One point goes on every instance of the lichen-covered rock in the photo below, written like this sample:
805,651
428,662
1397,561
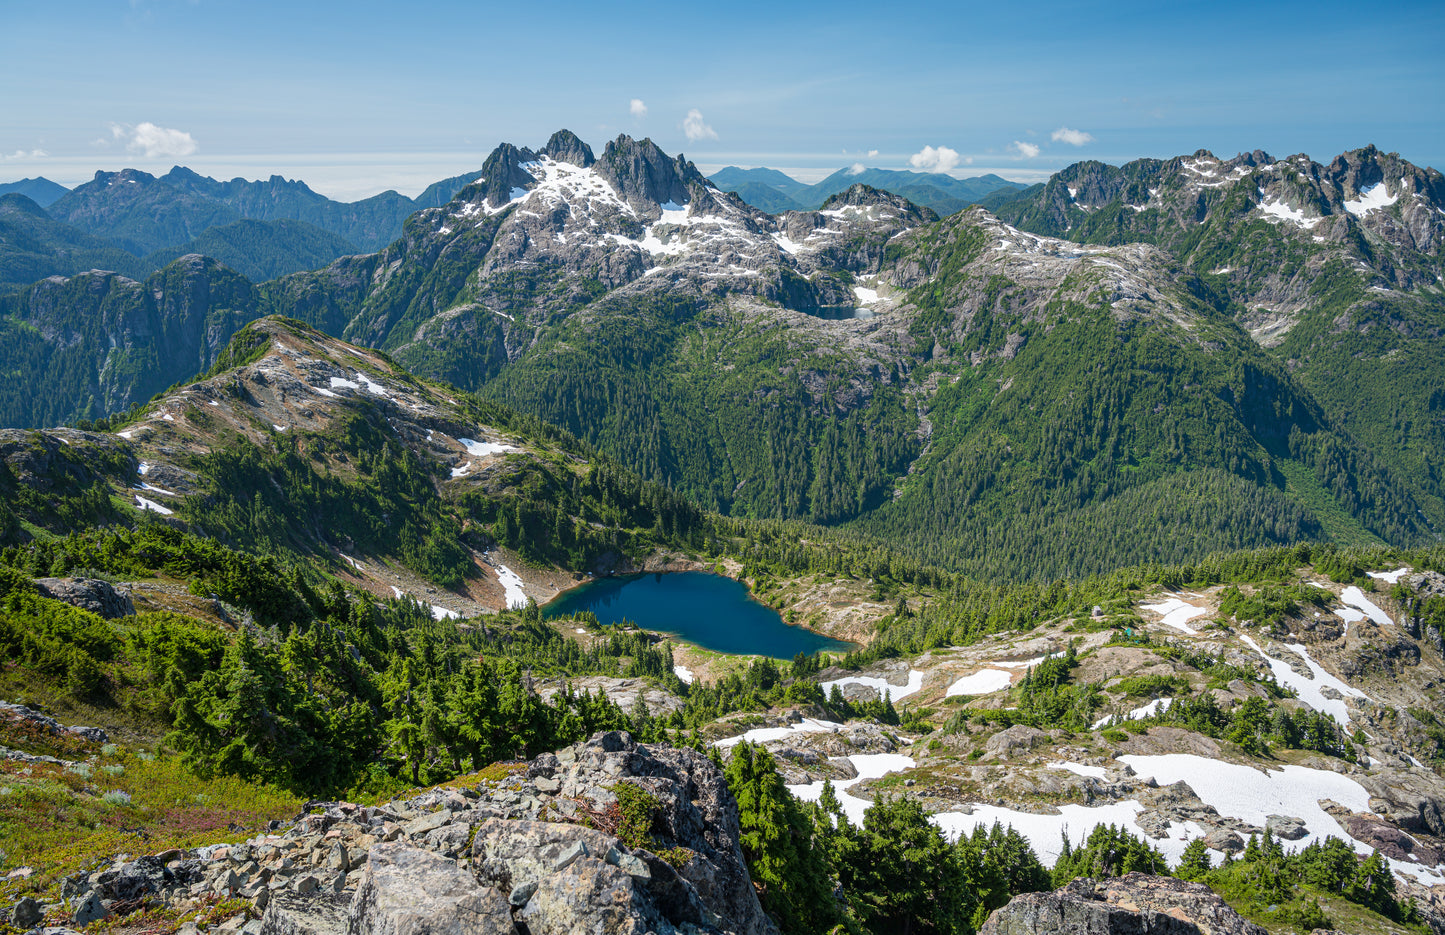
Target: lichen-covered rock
1135,904
293,914
91,594
696,811
408,891
1017,739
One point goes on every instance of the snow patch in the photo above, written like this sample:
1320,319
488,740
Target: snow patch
1079,769
441,613
1045,832
168,417
869,766
511,587
1177,613
279,428
788,246
325,392
481,449
1027,663
1309,688
151,505
160,490
144,468
462,471
342,383
372,387
1154,707
896,692
1372,198
983,682
1283,212
865,296
1389,577
682,672
807,725
1356,598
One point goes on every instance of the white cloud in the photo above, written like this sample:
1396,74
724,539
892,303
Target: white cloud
695,129
1025,150
153,140
934,160
1072,137
637,108
23,155
872,153
857,168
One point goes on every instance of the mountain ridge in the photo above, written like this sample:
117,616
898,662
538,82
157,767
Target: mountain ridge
867,364
776,192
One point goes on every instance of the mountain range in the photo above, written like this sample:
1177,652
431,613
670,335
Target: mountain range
132,222
987,398
776,192
290,554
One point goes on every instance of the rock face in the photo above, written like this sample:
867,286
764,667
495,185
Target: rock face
533,853
1135,904
407,891
90,594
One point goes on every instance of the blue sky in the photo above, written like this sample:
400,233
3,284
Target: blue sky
363,96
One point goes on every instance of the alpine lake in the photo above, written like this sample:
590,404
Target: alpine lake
707,610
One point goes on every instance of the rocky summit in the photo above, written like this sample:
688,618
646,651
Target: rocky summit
550,847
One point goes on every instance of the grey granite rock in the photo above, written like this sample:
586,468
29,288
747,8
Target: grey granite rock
407,891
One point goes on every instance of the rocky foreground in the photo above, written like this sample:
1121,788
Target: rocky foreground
556,846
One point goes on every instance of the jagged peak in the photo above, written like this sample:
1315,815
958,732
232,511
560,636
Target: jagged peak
502,174
566,146
644,175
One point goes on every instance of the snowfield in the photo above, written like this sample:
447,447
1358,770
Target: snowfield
1253,795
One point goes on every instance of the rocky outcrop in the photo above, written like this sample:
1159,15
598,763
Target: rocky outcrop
407,891
91,594
1135,904
1015,740
31,719
537,852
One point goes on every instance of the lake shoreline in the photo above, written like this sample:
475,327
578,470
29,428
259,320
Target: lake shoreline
558,609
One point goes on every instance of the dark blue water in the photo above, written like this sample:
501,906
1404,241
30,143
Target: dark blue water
711,611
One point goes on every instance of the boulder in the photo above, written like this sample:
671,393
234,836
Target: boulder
89,908
1286,827
91,594
1017,739
294,914
26,913
1135,904
407,891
